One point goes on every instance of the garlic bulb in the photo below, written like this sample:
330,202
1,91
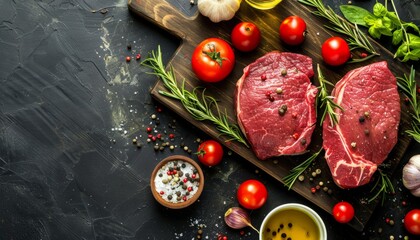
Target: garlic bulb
218,10
411,175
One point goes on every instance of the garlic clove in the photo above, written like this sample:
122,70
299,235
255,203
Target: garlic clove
411,175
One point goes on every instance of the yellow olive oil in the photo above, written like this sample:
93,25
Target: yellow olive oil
291,224
263,4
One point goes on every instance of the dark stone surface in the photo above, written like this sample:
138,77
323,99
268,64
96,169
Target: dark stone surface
70,106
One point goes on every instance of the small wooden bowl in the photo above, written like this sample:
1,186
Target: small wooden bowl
179,204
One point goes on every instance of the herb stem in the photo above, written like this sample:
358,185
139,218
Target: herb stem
201,108
385,187
409,87
290,179
327,101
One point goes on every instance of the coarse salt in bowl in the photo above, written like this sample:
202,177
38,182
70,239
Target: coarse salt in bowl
177,182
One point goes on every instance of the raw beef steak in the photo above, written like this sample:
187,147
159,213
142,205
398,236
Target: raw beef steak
367,129
275,104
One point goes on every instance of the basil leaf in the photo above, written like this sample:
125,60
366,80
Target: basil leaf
374,32
355,14
411,56
414,41
379,10
397,36
402,50
394,18
412,25
370,20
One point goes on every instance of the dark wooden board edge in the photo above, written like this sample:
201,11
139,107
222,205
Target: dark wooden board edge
180,62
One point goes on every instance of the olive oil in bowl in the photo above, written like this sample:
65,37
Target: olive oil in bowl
263,4
294,222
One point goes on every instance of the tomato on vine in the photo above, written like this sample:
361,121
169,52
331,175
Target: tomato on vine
343,212
245,36
210,153
335,51
213,60
252,194
293,30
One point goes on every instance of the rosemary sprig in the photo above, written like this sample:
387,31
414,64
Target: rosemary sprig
200,108
327,102
408,85
329,107
384,186
290,179
356,38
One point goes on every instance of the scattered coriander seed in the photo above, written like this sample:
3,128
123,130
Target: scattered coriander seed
198,140
192,2
283,72
301,178
134,141
330,191
149,140
366,114
153,116
156,148
279,90
318,171
313,174
161,148
311,179
353,144
171,147
185,148
189,151
321,183
325,189
391,222
139,145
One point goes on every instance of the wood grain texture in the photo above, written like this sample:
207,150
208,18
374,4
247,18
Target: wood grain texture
192,30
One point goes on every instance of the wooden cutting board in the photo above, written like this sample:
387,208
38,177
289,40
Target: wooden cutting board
190,27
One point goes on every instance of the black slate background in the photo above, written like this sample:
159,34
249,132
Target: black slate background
70,106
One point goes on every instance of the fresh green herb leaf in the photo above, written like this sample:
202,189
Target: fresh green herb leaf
413,26
355,14
397,36
414,41
379,10
201,108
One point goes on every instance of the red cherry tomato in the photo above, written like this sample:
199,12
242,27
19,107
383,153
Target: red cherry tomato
210,153
412,221
335,51
213,60
343,212
245,36
293,30
252,194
